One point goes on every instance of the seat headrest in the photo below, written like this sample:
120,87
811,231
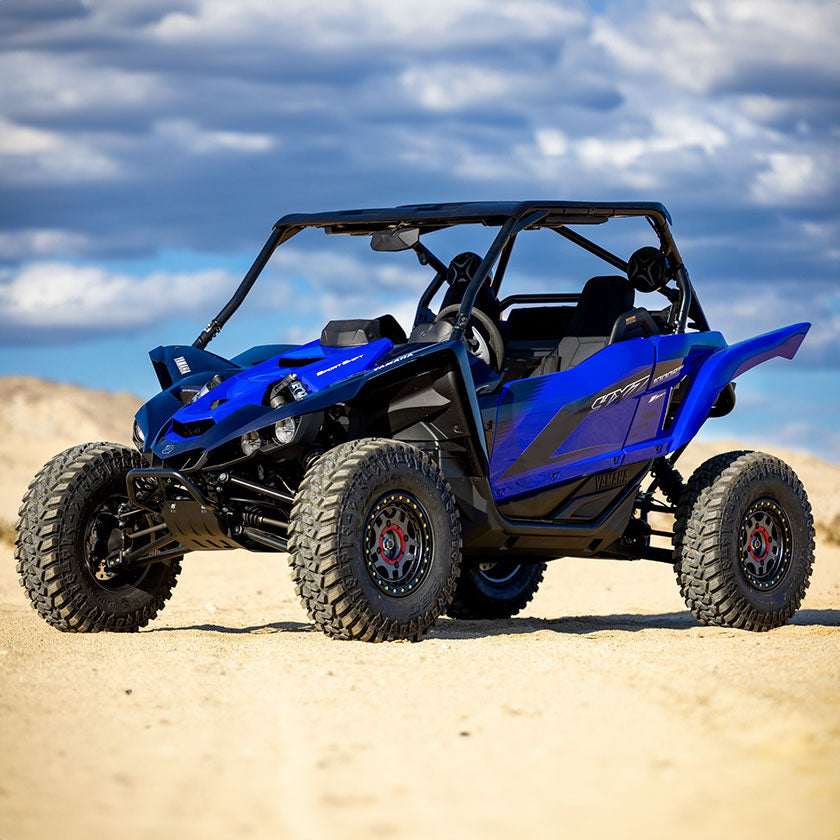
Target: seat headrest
602,300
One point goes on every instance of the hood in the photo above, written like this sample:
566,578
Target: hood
244,392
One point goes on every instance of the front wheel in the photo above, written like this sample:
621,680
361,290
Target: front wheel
499,589
744,541
375,541
69,526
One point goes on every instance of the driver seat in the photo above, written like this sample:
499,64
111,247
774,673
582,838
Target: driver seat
602,301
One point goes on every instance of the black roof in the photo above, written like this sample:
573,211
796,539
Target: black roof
481,212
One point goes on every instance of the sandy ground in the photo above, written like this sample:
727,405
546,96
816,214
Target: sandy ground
604,710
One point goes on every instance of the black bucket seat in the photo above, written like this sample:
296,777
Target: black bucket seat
602,301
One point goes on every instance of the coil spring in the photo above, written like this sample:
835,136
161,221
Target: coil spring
669,480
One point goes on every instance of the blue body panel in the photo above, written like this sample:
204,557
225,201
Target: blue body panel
721,367
609,410
547,430
239,399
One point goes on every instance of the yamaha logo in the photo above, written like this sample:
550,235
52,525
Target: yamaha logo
167,450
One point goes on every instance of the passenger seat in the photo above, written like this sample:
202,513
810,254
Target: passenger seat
602,300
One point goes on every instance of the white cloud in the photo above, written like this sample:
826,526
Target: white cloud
40,242
450,87
367,24
45,295
33,155
67,83
22,140
551,142
733,311
791,176
199,141
332,270
702,45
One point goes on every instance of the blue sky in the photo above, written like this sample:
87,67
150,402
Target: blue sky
147,147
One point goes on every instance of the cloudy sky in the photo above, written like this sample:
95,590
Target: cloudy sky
146,148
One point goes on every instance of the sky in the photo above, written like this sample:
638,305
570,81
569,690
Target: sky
146,149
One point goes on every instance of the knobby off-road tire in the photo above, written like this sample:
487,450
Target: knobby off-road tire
495,589
68,507
375,541
744,541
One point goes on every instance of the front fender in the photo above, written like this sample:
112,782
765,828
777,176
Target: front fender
724,365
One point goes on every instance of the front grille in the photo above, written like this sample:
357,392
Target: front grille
194,429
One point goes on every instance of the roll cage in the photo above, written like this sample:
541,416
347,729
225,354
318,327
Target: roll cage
511,218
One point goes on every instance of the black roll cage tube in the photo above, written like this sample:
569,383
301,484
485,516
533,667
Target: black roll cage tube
499,251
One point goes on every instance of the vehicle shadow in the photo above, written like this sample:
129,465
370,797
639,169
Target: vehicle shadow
448,628
257,629
585,624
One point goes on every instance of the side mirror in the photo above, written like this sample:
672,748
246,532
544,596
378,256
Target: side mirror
395,239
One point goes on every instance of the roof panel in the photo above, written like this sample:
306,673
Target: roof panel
443,215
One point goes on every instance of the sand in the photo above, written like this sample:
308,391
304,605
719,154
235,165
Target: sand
604,710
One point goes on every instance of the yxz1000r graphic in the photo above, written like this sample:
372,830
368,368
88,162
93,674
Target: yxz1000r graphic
410,475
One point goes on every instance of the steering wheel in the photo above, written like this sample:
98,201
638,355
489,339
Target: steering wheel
483,338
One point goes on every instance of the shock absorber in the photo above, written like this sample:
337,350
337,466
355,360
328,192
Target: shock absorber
668,480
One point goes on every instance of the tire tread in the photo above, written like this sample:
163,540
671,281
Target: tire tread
42,548
705,572
321,574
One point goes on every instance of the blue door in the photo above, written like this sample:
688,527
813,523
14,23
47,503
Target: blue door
560,426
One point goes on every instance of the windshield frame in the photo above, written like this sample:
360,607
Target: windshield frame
510,217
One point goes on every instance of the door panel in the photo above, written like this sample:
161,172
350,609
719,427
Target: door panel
563,425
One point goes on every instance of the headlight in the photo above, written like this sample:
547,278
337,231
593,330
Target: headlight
250,442
284,430
138,436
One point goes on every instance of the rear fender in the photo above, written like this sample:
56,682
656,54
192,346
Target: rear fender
724,365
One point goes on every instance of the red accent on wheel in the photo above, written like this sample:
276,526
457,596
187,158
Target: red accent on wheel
765,543
388,554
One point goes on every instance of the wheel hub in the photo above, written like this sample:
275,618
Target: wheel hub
104,530
397,544
103,539
392,544
764,544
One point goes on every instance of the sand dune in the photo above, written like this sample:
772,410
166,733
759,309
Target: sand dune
604,711
38,419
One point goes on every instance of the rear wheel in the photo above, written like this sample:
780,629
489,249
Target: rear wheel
375,541
744,537
498,589
68,528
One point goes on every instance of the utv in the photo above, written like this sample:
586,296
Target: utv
408,476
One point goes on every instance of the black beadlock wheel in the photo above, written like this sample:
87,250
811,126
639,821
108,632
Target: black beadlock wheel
68,526
398,544
374,541
764,544
744,541
495,589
